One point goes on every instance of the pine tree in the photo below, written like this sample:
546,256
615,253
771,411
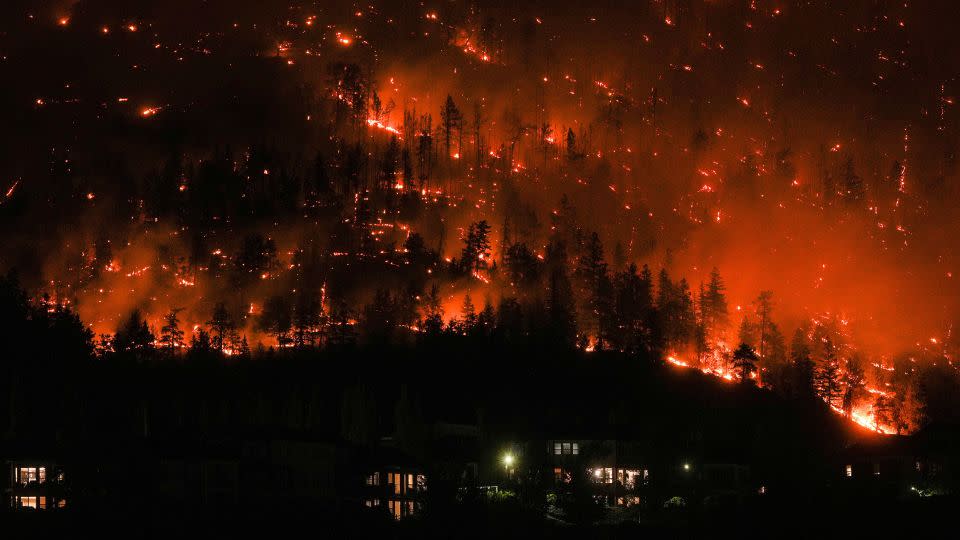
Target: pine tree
276,319
452,122
221,324
171,336
487,319
745,361
479,120
379,318
134,336
828,377
589,275
635,321
713,307
307,318
475,255
468,314
389,164
200,343
764,309
854,380
425,150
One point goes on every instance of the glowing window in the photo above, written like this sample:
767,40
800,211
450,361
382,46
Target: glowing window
628,477
557,449
395,480
576,448
32,474
373,479
395,508
849,471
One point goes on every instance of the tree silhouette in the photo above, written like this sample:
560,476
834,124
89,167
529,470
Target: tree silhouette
828,376
451,120
276,319
589,275
171,336
745,361
221,325
133,336
475,255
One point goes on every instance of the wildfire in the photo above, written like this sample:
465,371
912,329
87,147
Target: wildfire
377,124
12,189
861,413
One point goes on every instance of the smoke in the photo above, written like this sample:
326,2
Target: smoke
711,136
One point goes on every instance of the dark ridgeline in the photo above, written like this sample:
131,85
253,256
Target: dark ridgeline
354,432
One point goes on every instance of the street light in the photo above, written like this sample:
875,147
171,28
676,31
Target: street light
508,461
686,466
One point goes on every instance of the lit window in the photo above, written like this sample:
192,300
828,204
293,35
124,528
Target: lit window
394,507
849,471
395,480
373,479
576,448
28,502
602,475
557,449
628,477
876,469
566,448
410,484
32,474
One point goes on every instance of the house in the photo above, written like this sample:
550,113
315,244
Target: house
922,464
35,484
615,468
394,482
